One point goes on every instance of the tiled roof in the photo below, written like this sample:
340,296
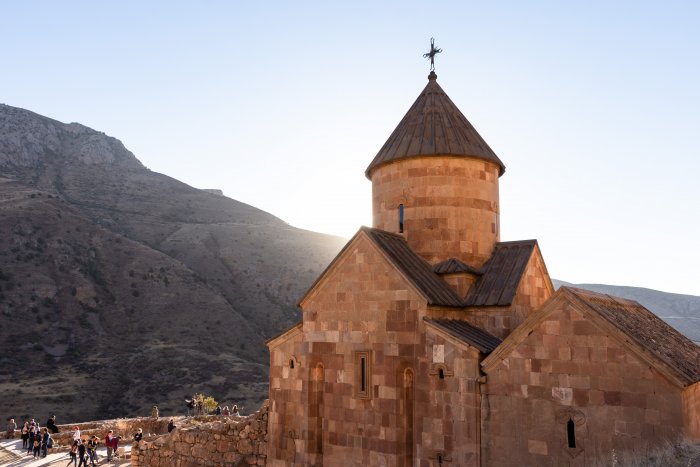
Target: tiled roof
454,265
465,332
415,268
647,330
501,274
434,126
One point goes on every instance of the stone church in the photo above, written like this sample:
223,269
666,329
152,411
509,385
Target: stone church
429,342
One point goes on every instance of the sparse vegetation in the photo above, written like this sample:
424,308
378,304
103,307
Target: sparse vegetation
678,454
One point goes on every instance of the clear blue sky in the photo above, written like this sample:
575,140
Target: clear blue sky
594,107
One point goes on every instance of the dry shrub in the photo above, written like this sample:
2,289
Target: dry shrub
678,454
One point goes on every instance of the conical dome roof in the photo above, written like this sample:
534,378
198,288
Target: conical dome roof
434,126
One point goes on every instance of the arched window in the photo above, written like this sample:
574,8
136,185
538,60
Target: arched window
441,373
571,433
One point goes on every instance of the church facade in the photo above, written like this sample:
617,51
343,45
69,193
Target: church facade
429,342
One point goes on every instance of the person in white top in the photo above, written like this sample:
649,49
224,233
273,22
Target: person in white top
76,434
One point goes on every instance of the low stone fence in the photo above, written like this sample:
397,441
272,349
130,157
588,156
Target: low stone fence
124,427
228,441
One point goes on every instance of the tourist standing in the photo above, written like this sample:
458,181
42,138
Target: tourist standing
111,443
36,445
30,438
25,435
92,450
171,425
45,443
138,436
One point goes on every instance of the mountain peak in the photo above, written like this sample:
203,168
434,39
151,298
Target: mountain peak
29,140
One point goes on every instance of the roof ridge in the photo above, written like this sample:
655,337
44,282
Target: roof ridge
518,242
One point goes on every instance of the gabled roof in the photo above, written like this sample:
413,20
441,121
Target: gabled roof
411,266
434,126
635,327
414,268
648,331
454,266
467,333
501,274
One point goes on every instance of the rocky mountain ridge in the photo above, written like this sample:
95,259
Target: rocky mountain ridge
130,286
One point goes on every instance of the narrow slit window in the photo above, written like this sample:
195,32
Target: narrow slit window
362,375
400,218
291,364
571,433
441,373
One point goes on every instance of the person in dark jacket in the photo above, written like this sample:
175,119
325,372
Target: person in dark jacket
82,454
30,439
45,443
138,436
51,424
171,425
25,435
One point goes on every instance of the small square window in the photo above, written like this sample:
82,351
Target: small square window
363,375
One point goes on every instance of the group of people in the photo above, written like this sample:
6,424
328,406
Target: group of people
225,411
84,450
35,440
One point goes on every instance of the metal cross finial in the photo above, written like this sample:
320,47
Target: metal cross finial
432,53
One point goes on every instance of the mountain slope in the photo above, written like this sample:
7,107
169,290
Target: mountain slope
129,286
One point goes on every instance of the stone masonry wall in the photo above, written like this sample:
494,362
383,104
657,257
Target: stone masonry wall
451,206
228,442
568,371
363,308
691,411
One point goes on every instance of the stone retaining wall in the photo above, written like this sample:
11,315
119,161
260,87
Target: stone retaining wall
124,427
228,442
